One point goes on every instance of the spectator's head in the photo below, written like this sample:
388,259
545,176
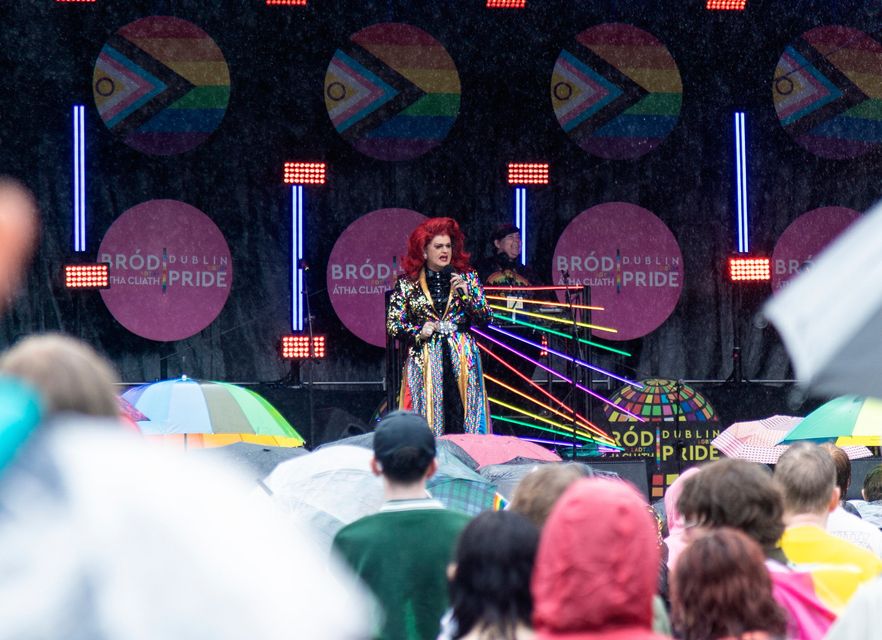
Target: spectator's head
843,467
69,375
18,234
536,494
490,577
738,494
597,565
807,478
721,588
872,490
404,448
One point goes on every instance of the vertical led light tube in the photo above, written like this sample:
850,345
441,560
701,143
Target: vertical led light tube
296,257
521,219
741,182
79,178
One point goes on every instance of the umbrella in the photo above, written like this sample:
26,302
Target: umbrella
830,316
258,460
457,486
484,449
760,440
209,414
327,489
851,420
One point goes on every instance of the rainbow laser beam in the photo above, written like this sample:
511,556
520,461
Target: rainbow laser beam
590,426
533,314
568,429
590,392
541,428
528,398
561,354
566,336
545,303
558,287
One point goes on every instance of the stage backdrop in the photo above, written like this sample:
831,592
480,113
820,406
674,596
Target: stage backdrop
418,107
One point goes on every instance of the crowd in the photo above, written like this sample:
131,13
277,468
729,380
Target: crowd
102,536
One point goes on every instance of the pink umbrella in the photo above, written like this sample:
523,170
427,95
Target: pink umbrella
486,449
758,440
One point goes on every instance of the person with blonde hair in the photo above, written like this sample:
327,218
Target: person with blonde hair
536,494
69,375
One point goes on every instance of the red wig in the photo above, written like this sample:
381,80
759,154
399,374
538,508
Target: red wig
721,588
420,238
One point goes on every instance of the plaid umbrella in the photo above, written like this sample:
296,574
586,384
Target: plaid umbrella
760,440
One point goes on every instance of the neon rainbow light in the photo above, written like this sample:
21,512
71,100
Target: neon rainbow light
296,257
551,442
587,424
521,219
543,316
551,287
546,303
565,427
590,392
741,181
566,336
561,354
79,178
541,428
533,400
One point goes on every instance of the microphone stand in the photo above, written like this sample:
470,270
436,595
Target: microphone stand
565,278
312,359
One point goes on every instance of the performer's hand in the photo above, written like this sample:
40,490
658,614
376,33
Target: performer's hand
458,284
427,330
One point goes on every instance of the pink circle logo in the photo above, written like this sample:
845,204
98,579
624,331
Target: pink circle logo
170,270
632,262
805,238
364,264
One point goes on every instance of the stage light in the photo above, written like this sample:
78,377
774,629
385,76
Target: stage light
304,173
506,4
87,276
297,348
287,3
543,316
76,1
749,269
726,5
741,182
565,336
527,173
79,178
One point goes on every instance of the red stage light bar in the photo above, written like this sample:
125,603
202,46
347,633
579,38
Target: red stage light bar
288,3
305,173
77,1
506,4
527,173
750,269
726,5
87,276
297,347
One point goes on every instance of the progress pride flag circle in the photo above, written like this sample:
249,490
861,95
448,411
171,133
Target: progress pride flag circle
170,270
364,264
632,262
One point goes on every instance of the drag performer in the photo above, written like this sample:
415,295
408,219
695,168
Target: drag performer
432,307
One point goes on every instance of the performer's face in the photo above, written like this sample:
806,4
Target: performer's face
510,245
439,252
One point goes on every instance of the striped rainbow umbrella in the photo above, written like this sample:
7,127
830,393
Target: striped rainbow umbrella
850,420
209,414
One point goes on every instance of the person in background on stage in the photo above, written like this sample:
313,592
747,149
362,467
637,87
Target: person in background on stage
432,307
504,267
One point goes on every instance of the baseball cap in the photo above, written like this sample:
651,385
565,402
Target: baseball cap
401,429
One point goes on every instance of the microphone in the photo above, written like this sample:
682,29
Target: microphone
448,271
